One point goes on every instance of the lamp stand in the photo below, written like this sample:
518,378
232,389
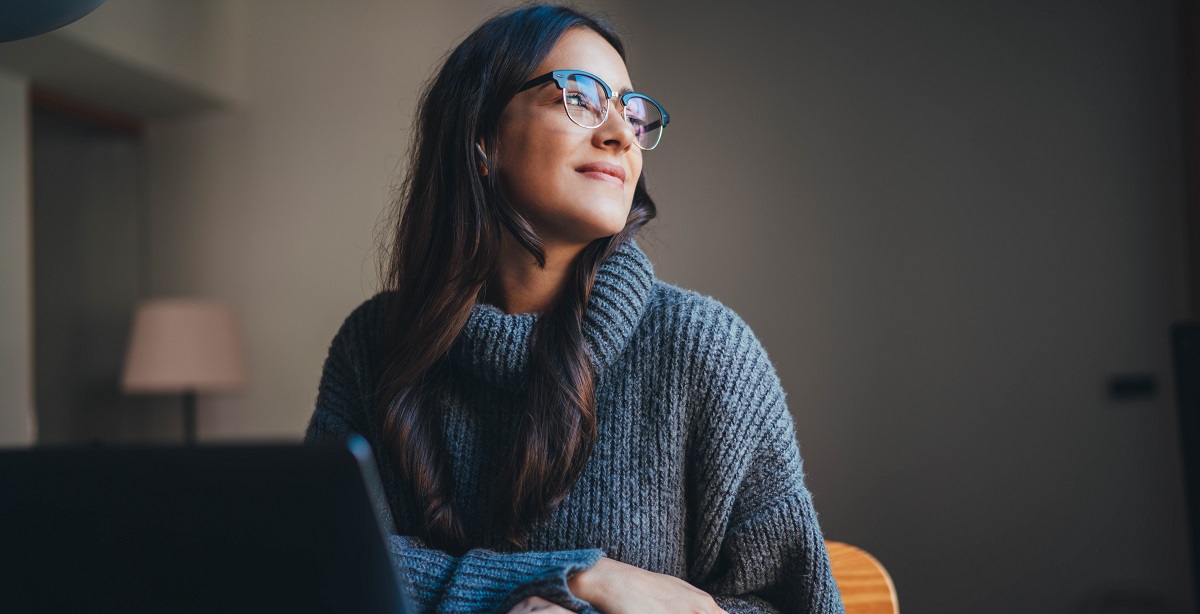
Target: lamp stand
189,417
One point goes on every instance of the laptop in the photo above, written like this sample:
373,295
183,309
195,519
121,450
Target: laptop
245,528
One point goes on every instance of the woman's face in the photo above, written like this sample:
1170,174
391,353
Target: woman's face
542,153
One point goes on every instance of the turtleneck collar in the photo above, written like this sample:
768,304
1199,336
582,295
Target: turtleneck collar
494,346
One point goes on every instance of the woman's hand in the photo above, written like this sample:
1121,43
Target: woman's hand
614,587
537,604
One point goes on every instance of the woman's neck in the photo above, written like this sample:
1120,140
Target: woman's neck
521,286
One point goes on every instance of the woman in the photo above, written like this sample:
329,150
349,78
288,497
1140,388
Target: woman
556,429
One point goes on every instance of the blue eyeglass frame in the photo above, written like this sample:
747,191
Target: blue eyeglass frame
559,77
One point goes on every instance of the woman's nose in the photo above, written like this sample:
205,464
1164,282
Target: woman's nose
615,127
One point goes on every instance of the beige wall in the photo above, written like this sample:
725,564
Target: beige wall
949,224
16,317
141,58
198,44
273,205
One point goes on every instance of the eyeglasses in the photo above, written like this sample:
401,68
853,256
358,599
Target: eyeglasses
586,98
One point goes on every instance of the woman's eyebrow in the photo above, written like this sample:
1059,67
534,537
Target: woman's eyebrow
623,91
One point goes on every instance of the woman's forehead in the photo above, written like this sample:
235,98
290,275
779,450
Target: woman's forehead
584,49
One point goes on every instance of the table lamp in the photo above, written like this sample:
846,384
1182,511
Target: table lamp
184,346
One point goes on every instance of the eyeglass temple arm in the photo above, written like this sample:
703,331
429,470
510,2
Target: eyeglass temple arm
536,82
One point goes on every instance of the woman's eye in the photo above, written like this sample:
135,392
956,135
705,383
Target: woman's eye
578,100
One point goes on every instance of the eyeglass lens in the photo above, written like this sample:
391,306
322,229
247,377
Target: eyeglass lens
586,105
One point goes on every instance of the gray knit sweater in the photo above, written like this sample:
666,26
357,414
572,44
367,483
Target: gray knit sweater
695,472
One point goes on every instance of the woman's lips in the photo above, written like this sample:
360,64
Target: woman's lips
604,171
605,177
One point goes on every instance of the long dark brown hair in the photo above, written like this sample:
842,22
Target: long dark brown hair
449,221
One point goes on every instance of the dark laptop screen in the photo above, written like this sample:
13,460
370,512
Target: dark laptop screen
245,528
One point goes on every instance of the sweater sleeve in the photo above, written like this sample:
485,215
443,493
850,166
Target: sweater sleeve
478,581
486,581
761,548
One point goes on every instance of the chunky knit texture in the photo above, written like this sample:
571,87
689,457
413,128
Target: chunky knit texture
695,473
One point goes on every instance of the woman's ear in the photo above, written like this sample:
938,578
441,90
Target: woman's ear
483,159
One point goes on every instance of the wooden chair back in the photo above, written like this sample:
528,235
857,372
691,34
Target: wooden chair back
864,583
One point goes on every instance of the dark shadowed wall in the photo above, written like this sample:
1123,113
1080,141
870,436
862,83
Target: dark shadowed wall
950,223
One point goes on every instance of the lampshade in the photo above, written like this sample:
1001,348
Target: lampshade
184,345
